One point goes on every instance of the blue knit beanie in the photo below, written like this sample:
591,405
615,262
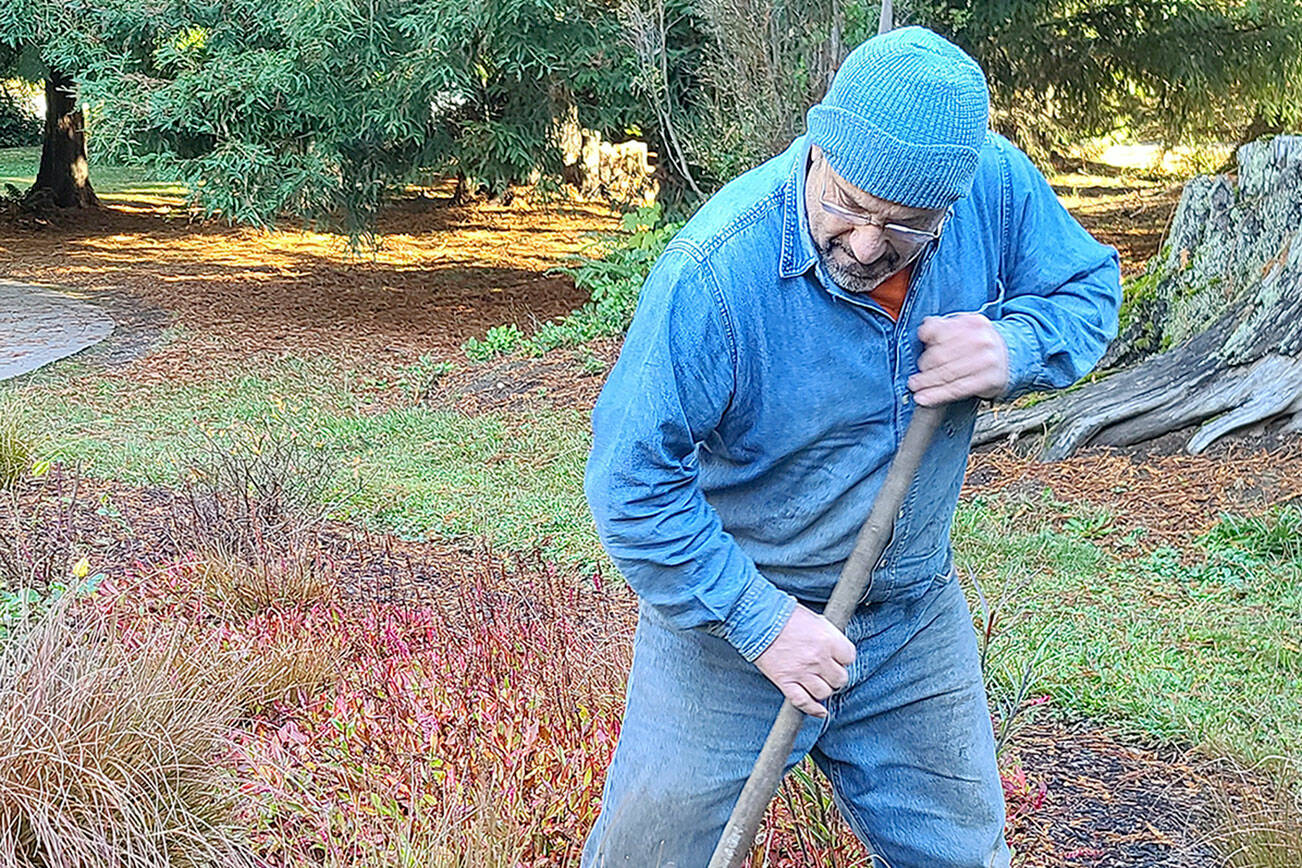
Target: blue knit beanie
905,119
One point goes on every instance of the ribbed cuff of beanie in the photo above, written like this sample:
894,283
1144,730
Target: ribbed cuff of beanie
914,175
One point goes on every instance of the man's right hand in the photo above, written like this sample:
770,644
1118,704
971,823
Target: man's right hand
807,661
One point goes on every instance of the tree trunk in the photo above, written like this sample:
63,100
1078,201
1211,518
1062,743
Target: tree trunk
1223,303
64,177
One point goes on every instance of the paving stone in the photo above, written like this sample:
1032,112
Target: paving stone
39,325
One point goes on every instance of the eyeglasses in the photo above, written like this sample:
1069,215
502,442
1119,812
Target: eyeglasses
903,236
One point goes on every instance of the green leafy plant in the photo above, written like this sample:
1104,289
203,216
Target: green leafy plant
612,268
1089,522
419,379
1276,535
591,364
19,127
501,340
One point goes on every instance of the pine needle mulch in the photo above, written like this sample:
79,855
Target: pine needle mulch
239,296
1171,498
1101,801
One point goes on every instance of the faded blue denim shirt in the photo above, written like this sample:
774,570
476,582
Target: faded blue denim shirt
747,426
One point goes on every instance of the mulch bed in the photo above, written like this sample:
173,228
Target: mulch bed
444,274
1173,497
124,528
1110,802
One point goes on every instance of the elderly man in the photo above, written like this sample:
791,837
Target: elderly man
897,253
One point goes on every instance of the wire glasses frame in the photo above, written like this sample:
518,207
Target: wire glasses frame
905,236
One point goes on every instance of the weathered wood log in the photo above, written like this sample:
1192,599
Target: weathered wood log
1226,294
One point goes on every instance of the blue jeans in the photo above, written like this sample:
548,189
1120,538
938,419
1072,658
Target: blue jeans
908,745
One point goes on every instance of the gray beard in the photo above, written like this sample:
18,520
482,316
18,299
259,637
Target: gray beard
861,279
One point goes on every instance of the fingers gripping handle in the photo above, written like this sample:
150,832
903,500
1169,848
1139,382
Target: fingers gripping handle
873,537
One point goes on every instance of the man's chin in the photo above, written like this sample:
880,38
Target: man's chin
854,282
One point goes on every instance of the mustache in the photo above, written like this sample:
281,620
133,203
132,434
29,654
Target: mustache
889,259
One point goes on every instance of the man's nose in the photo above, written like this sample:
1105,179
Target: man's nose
867,243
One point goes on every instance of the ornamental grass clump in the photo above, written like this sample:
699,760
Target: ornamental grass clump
265,581
15,449
111,752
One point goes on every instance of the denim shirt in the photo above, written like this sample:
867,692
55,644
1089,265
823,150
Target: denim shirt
747,426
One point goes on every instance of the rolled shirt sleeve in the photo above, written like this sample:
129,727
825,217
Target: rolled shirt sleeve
1062,287
673,382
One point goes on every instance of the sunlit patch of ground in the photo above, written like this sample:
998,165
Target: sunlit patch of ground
1128,211
443,274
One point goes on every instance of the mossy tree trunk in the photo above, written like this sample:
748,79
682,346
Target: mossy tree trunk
63,179
1211,334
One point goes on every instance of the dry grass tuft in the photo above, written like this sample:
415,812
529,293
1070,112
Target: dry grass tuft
1262,826
15,449
113,744
246,586
294,659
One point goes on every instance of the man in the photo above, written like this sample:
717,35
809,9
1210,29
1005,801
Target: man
898,252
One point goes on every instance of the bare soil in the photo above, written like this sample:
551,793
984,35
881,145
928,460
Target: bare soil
443,274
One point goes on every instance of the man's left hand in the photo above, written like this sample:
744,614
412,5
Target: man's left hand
964,357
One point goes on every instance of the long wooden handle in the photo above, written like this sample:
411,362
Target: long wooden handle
873,537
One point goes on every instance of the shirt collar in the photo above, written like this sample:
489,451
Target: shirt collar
798,253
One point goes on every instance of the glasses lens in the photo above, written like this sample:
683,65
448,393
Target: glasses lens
906,236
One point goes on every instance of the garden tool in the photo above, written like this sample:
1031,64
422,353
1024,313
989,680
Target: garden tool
850,588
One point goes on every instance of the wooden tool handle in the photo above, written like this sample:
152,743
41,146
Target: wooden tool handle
850,588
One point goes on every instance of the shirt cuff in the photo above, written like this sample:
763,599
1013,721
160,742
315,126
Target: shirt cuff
1022,346
759,616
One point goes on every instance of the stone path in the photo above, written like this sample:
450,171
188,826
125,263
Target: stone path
39,325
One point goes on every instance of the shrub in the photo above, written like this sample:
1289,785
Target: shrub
114,749
505,694
19,127
252,492
500,340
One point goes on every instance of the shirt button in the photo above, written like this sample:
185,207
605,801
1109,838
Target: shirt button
904,399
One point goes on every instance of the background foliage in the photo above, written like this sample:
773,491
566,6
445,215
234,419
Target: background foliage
321,110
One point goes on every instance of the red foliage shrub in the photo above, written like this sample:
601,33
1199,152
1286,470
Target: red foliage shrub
473,729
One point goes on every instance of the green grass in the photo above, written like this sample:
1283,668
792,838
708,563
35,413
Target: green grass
513,479
1194,649
119,184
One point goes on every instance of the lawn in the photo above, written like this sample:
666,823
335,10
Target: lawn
1162,635
117,185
